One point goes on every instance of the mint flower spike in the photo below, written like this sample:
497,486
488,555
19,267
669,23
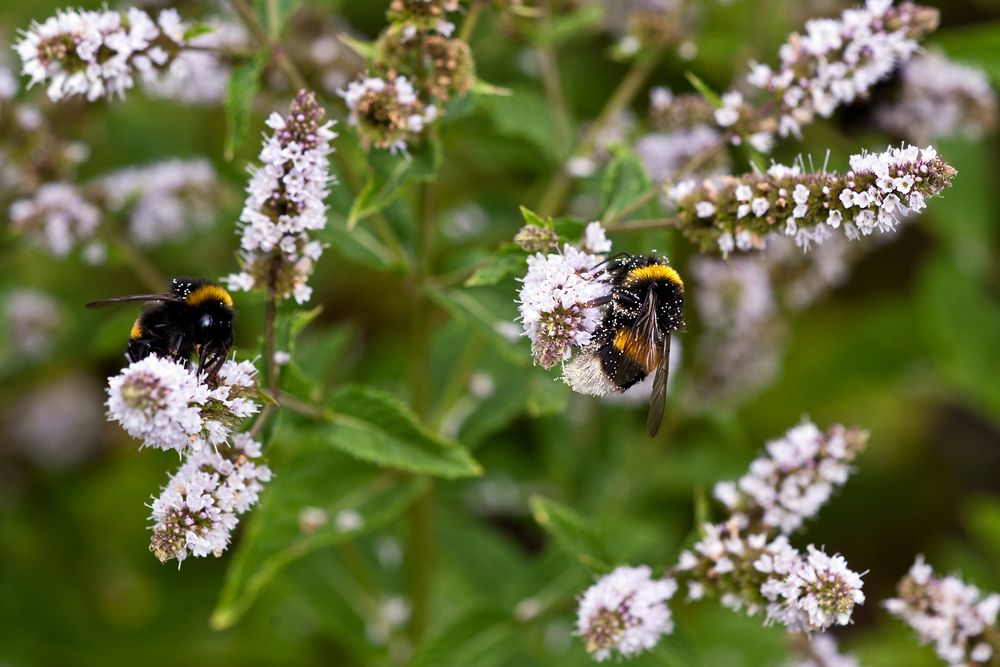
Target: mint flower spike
836,62
285,203
951,614
625,612
99,54
165,404
198,509
741,212
557,296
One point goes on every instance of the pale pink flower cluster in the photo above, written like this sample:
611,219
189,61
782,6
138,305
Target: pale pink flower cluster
955,616
163,200
285,203
197,76
558,298
386,111
796,477
59,218
625,613
199,507
99,53
837,61
939,98
166,405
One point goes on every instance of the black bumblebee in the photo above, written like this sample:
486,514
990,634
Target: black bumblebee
645,307
195,317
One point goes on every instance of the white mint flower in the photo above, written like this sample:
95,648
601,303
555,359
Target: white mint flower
813,593
198,509
824,653
953,615
197,76
796,477
838,61
879,191
32,320
729,113
939,98
165,405
663,153
163,200
386,112
625,612
556,301
99,53
285,203
57,217
595,240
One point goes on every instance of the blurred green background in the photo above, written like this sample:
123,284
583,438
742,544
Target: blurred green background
908,347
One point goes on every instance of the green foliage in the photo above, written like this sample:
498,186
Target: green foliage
572,533
308,474
244,84
374,426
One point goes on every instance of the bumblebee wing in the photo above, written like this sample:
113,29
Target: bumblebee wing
104,303
639,345
658,397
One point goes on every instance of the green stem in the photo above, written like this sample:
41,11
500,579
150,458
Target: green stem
469,25
639,225
629,87
248,17
419,552
549,63
147,272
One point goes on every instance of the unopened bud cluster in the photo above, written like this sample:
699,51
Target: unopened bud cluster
416,66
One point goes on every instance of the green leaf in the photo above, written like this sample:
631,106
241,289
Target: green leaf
574,534
464,306
710,95
243,86
197,30
563,27
482,637
532,218
480,87
973,44
375,426
364,49
275,13
510,260
525,115
358,245
389,173
625,180
308,475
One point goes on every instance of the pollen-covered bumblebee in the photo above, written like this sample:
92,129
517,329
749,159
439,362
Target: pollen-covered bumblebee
645,307
195,317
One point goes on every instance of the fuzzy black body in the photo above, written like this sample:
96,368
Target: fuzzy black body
195,317
645,307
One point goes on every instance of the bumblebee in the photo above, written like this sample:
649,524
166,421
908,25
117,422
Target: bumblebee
195,317
645,306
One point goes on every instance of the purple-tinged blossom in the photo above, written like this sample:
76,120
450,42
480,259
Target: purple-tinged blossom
163,200
285,203
99,54
878,192
625,613
199,507
58,218
166,405
955,616
837,61
796,476
386,111
939,98
557,302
